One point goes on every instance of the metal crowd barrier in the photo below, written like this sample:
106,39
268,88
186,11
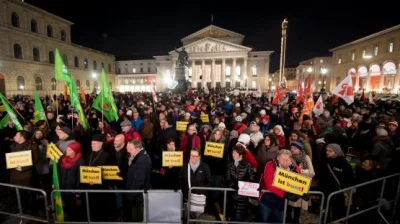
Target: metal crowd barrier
20,214
146,218
353,188
225,190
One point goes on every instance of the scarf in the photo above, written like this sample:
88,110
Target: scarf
189,143
68,162
236,162
194,166
301,158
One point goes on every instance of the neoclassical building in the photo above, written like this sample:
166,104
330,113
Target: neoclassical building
372,61
28,39
320,69
217,58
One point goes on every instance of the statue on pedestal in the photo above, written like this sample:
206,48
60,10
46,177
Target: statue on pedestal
183,58
182,70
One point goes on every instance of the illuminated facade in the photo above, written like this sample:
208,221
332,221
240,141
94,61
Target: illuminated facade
320,69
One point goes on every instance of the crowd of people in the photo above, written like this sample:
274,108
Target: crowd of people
344,146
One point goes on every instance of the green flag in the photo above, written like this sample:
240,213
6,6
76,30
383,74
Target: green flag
104,102
39,111
60,69
4,121
11,113
57,195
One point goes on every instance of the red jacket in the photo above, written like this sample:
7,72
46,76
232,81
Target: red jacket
281,141
249,157
240,128
268,178
132,134
195,142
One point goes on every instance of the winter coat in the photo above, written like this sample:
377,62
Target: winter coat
343,171
281,141
325,121
249,157
163,136
70,179
242,172
264,155
62,145
42,167
309,172
120,159
196,142
138,177
23,176
136,124
131,134
200,178
382,151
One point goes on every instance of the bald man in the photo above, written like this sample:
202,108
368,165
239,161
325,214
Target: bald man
120,158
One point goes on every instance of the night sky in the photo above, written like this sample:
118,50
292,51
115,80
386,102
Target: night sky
143,28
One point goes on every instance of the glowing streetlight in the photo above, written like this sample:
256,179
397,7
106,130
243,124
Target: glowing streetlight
94,75
323,72
367,56
309,69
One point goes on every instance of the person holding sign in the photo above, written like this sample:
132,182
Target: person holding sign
171,173
190,141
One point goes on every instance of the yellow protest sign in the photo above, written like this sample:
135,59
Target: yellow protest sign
204,118
53,152
172,158
181,125
214,149
90,175
291,182
19,159
110,172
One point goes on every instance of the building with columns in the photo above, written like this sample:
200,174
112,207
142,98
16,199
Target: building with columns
321,71
217,58
29,37
372,61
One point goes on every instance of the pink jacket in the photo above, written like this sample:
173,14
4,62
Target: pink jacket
195,142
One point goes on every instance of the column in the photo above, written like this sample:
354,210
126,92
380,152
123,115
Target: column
244,74
173,69
395,88
203,73
381,82
213,82
223,75
194,75
357,84
368,83
233,73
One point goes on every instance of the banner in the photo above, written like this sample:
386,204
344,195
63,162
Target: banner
19,159
214,149
172,158
110,172
204,118
181,125
53,152
291,182
249,189
90,175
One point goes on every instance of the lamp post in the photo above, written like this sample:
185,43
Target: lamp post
323,73
269,83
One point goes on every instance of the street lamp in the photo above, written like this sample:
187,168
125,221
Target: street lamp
269,83
94,75
323,72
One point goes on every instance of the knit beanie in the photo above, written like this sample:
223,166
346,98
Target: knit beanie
297,144
75,146
66,130
244,139
336,148
221,125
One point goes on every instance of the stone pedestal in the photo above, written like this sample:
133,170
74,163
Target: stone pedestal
181,74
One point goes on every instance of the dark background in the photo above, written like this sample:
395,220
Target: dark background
147,28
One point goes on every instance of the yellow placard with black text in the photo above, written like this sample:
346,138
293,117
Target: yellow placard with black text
204,118
291,182
181,125
53,152
19,159
214,149
172,158
90,174
110,172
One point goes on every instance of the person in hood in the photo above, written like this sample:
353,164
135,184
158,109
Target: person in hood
204,134
244,140
267,150
280,136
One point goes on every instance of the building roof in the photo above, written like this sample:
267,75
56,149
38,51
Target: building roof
391,29
213,30
133,57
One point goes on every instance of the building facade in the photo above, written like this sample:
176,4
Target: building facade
217,58
372,61
321,71
136,75
29,37
290,76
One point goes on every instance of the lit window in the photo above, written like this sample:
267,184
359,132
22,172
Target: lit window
254,69
363,53
228,71
321,61
238,70
353,56
376,50
134,70
339,61
390,47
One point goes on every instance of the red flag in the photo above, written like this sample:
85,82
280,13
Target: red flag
307,91
363,96
299,97
334,100
345,90
279,94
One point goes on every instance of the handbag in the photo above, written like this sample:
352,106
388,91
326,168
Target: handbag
347,200
197,201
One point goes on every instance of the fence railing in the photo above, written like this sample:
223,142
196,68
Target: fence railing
20,213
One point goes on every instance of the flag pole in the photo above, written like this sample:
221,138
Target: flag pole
14,108
102,103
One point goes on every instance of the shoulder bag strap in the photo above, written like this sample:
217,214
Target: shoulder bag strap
334,176
189,184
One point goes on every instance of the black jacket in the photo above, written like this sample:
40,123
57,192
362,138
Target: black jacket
95,159
120,159
138,177
343,172
70,179
200,178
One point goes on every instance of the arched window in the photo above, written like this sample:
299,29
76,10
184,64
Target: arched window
65,59
110,83
86,63
20,83
87,84
34,27
53,84
63,35
78,84
17,51
94,65
14,19
38,83
102,65
51,57
76,61
49,31
36,54
109,67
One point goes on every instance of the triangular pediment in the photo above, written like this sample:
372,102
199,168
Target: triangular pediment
214,32
212,45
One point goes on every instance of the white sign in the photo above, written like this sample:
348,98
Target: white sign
249,189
